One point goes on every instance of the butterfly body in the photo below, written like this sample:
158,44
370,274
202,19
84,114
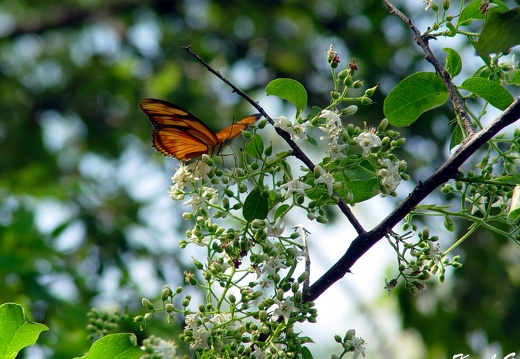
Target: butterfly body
182,135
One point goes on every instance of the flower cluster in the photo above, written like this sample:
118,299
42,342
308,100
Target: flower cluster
251,271
419,260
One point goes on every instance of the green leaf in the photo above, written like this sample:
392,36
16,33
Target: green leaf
357,179
490,91
453,62
413,96
280,210
255,147
515,80
115,346
500,32
306,353
256,205
473,12
456,137
290,90
16,331
448,224
514,213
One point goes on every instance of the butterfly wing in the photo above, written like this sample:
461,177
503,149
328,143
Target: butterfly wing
177,132
229,133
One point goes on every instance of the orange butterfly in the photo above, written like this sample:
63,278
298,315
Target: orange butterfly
180,134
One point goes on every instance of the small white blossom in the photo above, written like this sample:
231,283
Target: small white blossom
258,352
502,204
285,308
186,175
200,337
197,202
210,194
330,116
297,252
165,349
295,186
192,321
332,127
282,122
428,4
478,204
273,264
176,193
296,130
367,140
220,318
299,131
357,344
325,178
275,230
389,175
335,150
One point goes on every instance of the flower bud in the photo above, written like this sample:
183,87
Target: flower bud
366,101
369,92
147,304
350,110
167,292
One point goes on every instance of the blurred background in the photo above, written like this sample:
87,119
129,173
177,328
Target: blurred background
85,220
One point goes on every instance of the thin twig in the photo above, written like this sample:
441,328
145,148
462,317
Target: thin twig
422,41
297,152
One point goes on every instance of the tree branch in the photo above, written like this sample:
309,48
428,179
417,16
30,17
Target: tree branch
448,170
297,152
422,41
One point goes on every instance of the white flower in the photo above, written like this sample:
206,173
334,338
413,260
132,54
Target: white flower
220,318
389,175
296,130
297,252
275,230
197,202
478,203
357,344
367,140
192,321
502,204
273,264
299,131
210,194
325,178
295,186
186,175
330,116
335,150
258,352
176,193
285,308
332,127
282,122
200,338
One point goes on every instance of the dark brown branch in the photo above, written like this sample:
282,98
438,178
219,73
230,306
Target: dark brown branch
297,152
447,171
422,41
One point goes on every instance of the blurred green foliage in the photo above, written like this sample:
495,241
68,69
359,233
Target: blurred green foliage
82,193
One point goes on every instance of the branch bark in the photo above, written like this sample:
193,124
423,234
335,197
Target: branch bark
448,170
